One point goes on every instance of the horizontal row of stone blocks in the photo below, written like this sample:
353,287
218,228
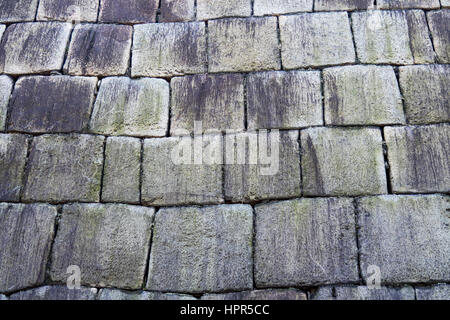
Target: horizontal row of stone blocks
296,243
227,45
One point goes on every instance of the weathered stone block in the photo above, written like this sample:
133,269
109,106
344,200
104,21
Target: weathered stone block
418,158
215,100
122,170
64,168
439,22
167,49
207,9
136,107
270,294
316,39
363,293
26,232
305,242
270,171
13,154
34,47
243,44
99,50
6,85
109,243
407,237
68,10
51,104
362,95
445,3
341,162
331,5
426,90
112,294
195,177
263,7
284,100
2,29
435,292
404,4
56,293
202,249
128,11
18,10
177,10
419,37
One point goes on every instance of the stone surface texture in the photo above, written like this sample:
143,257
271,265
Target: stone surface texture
397,4
19,10
440,30
177,10
269,7
436,292
128,11
112,294
68,10
6,85
56,293
207,9
363,293
270,294
331,5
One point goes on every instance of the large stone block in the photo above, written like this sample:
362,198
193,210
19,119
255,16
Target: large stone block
56,293
439,22
128,11
6,85
262,166
406,237
400,4
284,100
168,49
339,162
418,158
265,7
207,249
135,107
419,37
363,293
243,44
64,168
109,243
270,294
434,292
13,155
331,5
362,95
112,294
207,9
18,10
99,50
305,242
26,233
68,10
34,47
215,100
177,10
316,39
41,104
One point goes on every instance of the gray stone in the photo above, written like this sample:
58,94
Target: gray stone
6,85
170,179
207,9
331,5
2,29
407,237
264,7
400,4
56,293
243,44
363,293
26,233
109,243
284,100
445,3
215,100
13,154
18,10
177,10
249,177
128,11
419,37
41,104
362,95
270,294
426,91
435,292
316,39
28,48
169,49
305,242
99,50
112,294
3,298
418,158
64,168
122,170
202,249
68,10
439,22
136,107
340,162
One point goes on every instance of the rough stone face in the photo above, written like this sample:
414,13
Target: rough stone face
418,158
202,249
112,294
400,4
207,9
249,44
169,179
68,10
305,242
168,49
99,50
362,95
445,3
407,237
26,232
6,85
270,294
436,292
339,162
177,10
251,177
331,5
263,7
64,168
56,293
128,11
109,243
363,293
18,10
215,100
316,39
284,100
439,22
42,104
2,29
136,107
426,90
34,47
419,37
13,153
